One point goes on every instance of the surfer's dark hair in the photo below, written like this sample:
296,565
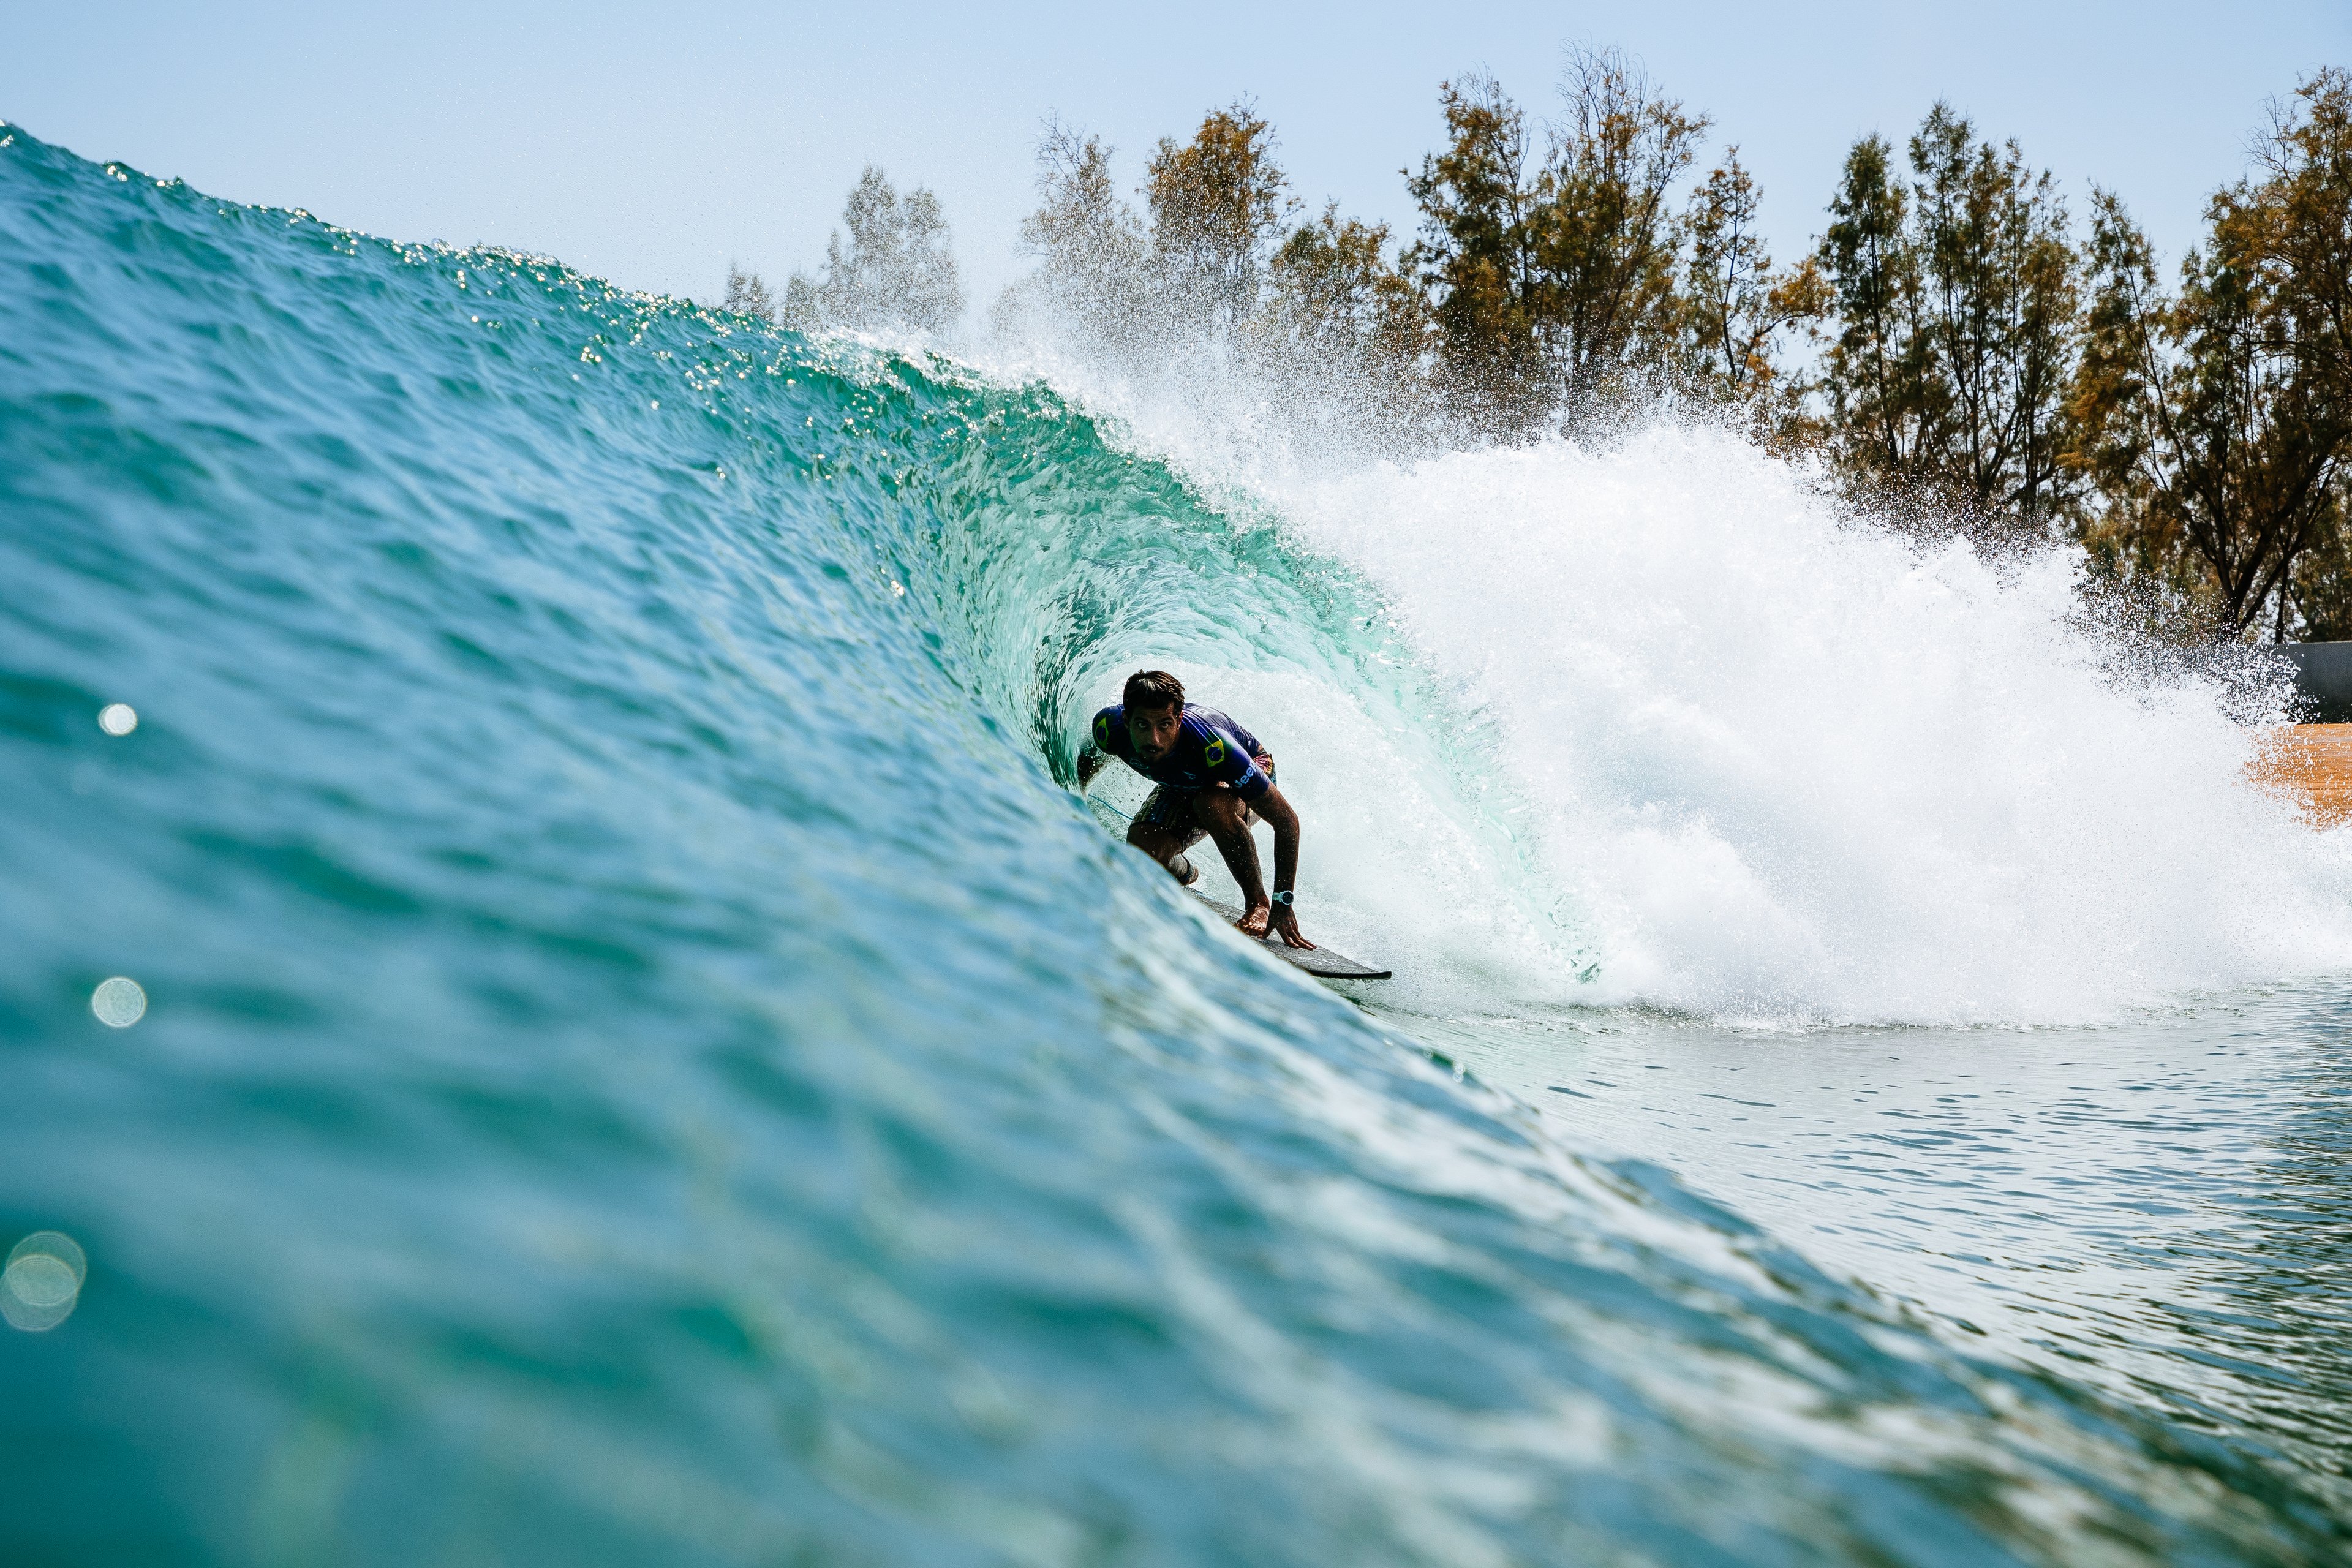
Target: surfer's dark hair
1153,688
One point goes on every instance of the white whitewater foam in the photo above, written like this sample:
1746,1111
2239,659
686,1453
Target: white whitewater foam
1790,769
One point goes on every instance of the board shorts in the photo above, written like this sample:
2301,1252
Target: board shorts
1170,809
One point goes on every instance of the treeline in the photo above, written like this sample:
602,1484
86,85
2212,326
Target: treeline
1955,348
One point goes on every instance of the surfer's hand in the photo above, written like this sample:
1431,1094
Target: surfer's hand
1285,922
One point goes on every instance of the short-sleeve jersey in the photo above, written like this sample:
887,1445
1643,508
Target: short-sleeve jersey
1210,748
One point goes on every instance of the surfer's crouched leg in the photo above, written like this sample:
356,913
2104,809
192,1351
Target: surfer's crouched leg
1164,828
1226,818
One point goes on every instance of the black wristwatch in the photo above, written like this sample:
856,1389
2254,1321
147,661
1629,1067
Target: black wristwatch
1285,898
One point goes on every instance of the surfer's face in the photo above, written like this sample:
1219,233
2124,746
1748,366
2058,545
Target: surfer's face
1153,730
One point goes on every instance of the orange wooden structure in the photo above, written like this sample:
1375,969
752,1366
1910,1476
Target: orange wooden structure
2313,764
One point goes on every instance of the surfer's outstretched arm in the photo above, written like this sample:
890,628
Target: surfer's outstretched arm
1227,820
1090,763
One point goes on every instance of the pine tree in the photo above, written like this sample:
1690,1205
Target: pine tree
2212,431
1476,257
2306,201
2307,158
1734,307
2000,311
897,270
1332,293
1080,223
1605,239
1957,303
1089,243
1553,287
747,295
1882,404
1218,203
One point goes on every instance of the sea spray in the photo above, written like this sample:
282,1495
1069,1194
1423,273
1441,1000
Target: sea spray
1793,766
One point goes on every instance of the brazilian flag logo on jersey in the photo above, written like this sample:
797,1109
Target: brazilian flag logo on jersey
1102,731
1216,752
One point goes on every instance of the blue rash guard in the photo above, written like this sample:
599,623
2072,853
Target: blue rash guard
1210,748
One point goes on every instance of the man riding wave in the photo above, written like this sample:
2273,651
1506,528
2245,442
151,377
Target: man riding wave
1214,781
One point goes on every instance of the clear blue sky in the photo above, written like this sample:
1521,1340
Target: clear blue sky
652,143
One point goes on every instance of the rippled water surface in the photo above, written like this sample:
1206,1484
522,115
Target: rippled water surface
642,1057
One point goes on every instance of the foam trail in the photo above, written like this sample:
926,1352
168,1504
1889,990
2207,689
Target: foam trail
1789,768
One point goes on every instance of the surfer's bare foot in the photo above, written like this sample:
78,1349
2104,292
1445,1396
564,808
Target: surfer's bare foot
1252,924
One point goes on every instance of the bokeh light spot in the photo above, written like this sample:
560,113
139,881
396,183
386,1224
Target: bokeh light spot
42,1282
118,1003
118,719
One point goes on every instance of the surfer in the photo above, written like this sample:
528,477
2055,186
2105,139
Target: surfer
1214,780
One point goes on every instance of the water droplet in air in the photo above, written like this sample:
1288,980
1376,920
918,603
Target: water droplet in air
118,719
118,1003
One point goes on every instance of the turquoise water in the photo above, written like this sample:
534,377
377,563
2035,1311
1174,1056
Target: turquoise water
646,1060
